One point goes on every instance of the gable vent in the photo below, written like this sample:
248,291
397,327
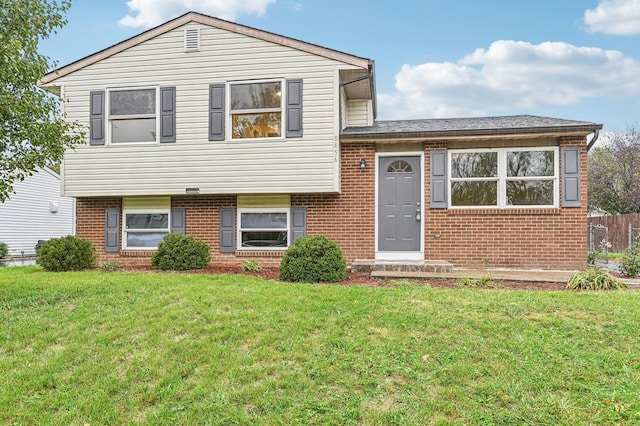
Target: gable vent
192,39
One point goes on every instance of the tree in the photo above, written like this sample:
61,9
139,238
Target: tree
33,133
614,173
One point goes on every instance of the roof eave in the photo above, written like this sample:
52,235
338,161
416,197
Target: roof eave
206,20
483,133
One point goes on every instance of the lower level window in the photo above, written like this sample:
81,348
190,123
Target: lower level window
264,229
145,230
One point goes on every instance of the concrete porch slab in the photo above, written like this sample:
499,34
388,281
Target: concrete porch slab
496,274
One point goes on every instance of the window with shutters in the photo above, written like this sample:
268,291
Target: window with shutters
145,229
263,228
503,178
256,109
133,115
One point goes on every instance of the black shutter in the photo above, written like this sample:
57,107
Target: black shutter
96,118
178,223
294,108
438,180
167,114
112,230
216,112
227,230
298,223
571,182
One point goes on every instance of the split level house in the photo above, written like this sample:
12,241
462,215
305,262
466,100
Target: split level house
248,140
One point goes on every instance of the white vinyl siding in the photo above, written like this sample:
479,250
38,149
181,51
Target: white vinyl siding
28,217
359,113
302,165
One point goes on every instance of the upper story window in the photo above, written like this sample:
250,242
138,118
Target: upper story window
256,109
133,115
504,178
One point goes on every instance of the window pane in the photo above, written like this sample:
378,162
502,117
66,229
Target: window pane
147,221
530,163
130,102
134,130
265,125
264,239
474,193
399,167
530,192
263,220
144,239
474,164
256,95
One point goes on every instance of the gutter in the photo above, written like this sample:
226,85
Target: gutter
430,134
372,86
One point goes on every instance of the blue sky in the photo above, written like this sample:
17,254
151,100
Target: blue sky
578,60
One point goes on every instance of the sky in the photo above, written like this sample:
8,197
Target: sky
572,59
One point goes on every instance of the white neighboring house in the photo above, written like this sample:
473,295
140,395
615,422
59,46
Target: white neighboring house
36,211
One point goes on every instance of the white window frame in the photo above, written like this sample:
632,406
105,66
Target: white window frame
239,231
109,119
281,110
502,177
150,231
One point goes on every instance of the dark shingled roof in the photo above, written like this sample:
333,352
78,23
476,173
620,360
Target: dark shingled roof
475,126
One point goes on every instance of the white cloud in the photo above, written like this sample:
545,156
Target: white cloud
510,75
149,13
619,17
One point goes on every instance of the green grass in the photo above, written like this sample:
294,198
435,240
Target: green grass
610,256
122,348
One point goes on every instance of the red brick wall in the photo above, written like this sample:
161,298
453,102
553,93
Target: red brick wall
531,238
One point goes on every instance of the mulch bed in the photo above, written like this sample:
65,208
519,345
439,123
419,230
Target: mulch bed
361,278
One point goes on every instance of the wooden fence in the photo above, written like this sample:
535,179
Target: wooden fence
618,229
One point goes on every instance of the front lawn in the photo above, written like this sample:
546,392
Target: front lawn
140,348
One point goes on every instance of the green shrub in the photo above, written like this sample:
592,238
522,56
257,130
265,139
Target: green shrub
178,252
630,262
251,266
4,250
313,259
66,254
595,279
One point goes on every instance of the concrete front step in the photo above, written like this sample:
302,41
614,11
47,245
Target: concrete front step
434,266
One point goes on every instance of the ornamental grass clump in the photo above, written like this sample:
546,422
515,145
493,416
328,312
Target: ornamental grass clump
595,279
66,254
4,250
178,252
313,259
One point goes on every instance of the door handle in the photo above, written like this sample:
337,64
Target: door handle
418,215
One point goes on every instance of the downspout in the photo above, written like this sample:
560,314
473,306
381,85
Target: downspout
372,86
594,139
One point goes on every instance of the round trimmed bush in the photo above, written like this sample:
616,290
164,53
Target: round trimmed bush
178,252
67,254
313,259
4,250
